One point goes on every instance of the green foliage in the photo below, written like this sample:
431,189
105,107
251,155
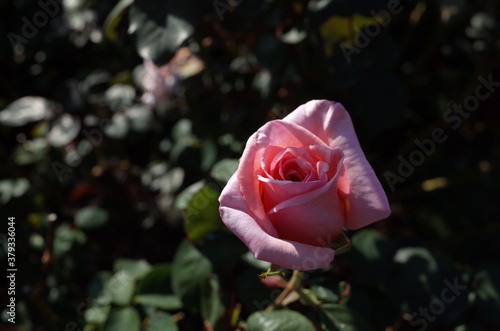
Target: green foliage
282,320
113,171
336,317
91,218
161,322
161,27
190,269
126,318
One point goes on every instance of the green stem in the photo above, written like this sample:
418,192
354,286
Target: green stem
292,285
271,273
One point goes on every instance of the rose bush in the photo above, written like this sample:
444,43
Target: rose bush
300,181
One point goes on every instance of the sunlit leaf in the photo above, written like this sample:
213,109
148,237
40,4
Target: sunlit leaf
224,169
140,118
26,110
163,301
97,314
65,237
121,286
137,268
121,319
160,27
31,151
119,126
294,36
64,130
280,320
114,18
119,96
91,217
13,188
161,321
201,214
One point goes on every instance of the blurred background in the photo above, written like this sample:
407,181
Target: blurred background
121,121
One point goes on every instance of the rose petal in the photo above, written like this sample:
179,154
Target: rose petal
315,217
366,201
240,219
275,192
274,133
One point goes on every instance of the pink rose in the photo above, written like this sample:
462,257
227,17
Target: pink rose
299,182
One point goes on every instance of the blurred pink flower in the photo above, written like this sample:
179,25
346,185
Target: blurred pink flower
159,83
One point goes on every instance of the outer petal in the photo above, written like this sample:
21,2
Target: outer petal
240,219
366,201
314,218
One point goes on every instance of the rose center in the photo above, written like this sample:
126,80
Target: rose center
294,177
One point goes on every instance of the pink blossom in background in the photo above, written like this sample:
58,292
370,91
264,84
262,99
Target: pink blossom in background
159,83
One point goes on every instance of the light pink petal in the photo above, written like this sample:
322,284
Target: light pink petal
275,192
239,218
366,201
274,133
315,217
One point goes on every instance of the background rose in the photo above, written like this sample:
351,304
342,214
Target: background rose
299,182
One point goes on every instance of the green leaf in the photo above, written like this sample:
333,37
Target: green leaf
262,83
280,320
161,321
65,237
119,96
212,308
31,151
123,319
371,254
89,218
63,130
119,126
293,36
201,213
419,280
325,294
189,270
208,154
157,281
161,27
26,110
114,18
121,286
308,297
97,314
337,317
186,196
162,301
13,188
224,169
140,118
487,294
227,257
136,268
